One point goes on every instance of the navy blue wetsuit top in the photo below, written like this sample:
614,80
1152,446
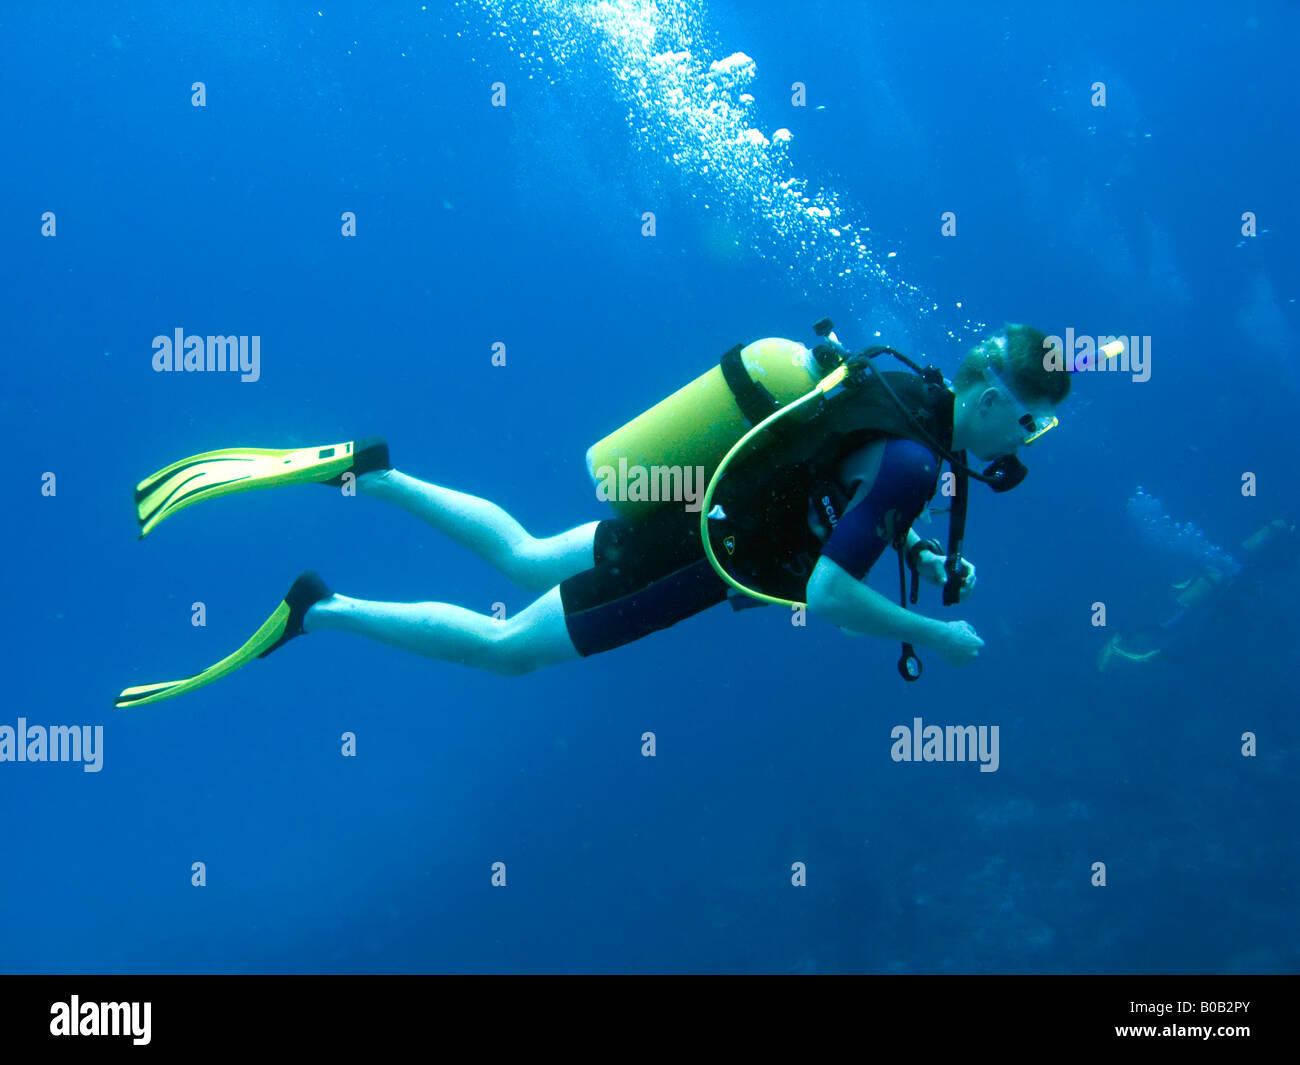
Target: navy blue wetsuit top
903,484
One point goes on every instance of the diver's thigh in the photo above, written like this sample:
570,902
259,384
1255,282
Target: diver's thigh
538,635
556,558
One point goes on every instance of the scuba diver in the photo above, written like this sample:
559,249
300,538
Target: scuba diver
1207,599
816,459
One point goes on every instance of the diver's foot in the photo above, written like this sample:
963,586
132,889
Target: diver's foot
303,594
368,456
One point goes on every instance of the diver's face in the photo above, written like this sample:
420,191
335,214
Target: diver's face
986,422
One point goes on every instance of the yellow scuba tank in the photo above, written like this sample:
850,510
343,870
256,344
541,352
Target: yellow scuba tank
695,427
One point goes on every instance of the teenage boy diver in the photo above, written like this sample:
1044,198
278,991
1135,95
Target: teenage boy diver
819,461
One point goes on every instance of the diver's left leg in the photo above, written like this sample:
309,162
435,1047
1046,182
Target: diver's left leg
532,639
532,562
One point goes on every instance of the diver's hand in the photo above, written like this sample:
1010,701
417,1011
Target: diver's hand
931,567
957,643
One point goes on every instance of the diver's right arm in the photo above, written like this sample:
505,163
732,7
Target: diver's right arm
836,596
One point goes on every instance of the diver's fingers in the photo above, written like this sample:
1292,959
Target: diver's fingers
968,585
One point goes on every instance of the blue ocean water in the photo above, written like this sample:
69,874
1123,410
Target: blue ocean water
523,225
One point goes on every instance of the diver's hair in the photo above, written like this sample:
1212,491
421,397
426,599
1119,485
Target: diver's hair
1020,365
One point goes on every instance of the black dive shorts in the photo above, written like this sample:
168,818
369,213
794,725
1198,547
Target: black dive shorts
649,575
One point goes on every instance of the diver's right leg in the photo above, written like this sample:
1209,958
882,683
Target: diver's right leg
537,636
534,563
650,576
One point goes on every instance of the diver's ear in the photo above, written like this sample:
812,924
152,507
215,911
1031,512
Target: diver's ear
988,398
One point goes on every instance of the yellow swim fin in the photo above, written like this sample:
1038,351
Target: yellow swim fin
279,628
238,469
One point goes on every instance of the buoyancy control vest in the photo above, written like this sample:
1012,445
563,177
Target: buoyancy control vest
801,412
779,502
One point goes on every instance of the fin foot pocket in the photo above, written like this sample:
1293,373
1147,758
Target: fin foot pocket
369,454
303,594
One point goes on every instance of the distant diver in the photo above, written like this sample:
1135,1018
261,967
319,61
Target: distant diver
816,461
1204,599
